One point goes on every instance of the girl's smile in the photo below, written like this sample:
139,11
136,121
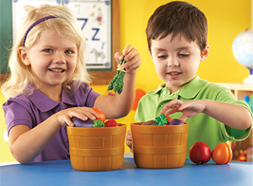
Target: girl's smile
52,59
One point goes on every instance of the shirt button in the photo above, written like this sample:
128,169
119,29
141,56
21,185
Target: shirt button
164,92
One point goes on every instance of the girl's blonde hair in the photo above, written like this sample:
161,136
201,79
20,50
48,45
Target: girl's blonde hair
65,24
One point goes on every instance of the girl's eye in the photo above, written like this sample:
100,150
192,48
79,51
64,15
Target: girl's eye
183,55
48,50
69,52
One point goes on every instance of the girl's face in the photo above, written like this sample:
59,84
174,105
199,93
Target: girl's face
52,59
176,61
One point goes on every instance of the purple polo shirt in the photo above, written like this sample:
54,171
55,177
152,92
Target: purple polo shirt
33,109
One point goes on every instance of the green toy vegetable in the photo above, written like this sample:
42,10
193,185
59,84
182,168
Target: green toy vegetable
98,123
117,82
161,120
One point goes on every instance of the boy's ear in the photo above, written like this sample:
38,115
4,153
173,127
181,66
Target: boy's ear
204,53
24,56
150,53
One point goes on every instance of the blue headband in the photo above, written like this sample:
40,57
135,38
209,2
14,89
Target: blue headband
35,23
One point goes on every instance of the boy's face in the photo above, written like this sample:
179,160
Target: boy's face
176,61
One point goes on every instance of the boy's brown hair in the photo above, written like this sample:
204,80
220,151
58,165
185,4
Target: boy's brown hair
178,17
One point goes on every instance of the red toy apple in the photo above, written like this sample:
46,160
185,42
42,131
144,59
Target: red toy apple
111,123
200,153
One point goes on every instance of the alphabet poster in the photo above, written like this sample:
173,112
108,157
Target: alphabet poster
94,18
95,21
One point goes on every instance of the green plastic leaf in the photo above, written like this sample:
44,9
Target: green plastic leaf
161,120
98,123
117,82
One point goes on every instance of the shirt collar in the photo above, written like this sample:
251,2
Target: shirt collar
44,103
190,90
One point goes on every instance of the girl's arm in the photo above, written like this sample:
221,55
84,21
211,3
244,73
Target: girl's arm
232,115
120,105
25,143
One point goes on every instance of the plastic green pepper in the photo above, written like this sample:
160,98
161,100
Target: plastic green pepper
98,123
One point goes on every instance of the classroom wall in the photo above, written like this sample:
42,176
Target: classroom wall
226,20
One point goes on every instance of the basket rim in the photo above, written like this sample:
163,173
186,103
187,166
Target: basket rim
99,131
137,128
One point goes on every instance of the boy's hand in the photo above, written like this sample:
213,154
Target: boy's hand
188,108
132,58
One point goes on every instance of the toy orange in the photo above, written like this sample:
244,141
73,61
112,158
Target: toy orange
222,153
96,149
159,147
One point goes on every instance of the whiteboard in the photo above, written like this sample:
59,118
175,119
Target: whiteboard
94,18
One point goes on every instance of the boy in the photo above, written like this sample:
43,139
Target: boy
177,34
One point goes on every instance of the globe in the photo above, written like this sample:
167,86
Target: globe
243,52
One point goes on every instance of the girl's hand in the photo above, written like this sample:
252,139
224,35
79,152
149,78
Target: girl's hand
129,141
188,108
84,113
132,58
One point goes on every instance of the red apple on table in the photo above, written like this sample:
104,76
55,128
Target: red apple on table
200,153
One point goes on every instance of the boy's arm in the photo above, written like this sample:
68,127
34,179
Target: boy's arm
232,115
235,116
120,105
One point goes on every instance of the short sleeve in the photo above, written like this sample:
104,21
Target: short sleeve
17,111
232,134
144,107
84,95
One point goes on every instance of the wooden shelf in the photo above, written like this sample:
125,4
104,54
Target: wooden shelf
238,86
240,90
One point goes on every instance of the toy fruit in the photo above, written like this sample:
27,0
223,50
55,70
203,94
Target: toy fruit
80,123
163,120
242,156
222,153
200,153
176,122
168,118
111,123
100,114
150,122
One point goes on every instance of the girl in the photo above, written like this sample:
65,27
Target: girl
48,85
